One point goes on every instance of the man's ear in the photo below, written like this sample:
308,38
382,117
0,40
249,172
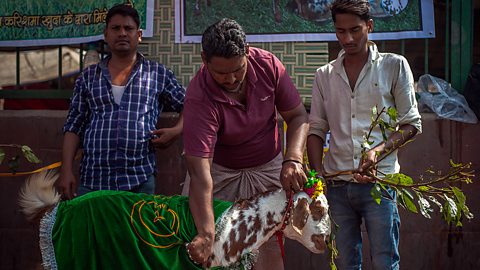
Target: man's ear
204,58
370,25
247,49
140,35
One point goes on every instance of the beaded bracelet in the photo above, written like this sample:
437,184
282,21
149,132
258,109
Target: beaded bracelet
291,160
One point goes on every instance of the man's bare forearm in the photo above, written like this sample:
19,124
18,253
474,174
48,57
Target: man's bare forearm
315,152
71,141
297,128
201,196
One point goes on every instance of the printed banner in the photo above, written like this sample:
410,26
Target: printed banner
306,20
60,22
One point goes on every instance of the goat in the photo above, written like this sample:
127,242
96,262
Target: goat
312,10
93,222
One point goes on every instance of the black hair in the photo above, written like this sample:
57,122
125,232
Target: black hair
124,10
360,8
224,38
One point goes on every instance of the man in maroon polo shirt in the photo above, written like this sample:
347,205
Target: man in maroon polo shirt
231,138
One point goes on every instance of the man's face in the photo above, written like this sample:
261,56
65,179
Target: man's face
122,34
352,33
229,73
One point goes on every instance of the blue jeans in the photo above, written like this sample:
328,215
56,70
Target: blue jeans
350,203
146,187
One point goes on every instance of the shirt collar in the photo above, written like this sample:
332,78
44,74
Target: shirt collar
372,56
212,89
104,66
104,62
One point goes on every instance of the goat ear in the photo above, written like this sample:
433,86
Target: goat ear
317,210
300,215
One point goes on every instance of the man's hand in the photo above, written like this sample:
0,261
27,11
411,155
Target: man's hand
366,170
164,137
200,249
292,176
67,184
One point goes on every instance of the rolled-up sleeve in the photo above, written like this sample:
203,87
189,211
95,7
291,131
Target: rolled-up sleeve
404,94
78,108
318,118
174,92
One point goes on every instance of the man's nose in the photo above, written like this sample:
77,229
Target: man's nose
230,78
348,38
123,32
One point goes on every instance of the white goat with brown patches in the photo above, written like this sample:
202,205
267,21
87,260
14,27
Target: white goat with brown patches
240,230
250,223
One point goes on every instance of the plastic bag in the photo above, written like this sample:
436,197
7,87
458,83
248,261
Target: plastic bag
442,99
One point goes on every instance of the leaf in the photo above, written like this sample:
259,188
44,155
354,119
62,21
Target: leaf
391,128
435,201
2,155
376,193
383,186
468,174
366,145
461,199
424,205
392,113
467,212
399,178
400,198
459,195
29,155
382,129
423,188
408,200
455,165
451,207
374,110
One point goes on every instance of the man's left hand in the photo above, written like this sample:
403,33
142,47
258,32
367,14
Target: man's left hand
365,172
164,137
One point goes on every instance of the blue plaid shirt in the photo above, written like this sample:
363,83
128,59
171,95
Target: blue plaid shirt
117,154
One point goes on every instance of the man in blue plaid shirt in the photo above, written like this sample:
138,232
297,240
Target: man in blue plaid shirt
114,112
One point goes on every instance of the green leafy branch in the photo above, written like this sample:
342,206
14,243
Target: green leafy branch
13,162
432,188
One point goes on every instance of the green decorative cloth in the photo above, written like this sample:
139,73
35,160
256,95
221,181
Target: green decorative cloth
122,230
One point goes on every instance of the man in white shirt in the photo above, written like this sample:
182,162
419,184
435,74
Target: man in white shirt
344,93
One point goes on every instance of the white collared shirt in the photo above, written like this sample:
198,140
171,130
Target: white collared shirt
385,81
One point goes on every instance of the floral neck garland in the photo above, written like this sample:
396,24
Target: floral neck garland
314,185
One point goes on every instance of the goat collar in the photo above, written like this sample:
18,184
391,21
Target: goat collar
285,219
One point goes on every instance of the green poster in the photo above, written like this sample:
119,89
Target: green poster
58,22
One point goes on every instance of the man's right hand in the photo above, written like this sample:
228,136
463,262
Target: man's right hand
200,249
67,185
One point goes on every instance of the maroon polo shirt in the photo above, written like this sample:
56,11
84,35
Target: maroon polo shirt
236,135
